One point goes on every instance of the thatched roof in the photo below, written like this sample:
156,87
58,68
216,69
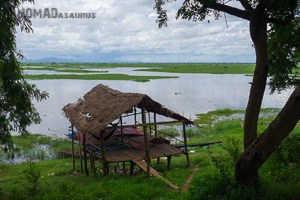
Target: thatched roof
102,105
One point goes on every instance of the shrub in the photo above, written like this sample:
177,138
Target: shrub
233,146
32,175
289,150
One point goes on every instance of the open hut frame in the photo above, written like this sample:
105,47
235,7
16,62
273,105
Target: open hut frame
115,127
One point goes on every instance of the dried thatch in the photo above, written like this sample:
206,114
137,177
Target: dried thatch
102,105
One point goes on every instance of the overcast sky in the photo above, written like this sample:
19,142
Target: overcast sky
126,31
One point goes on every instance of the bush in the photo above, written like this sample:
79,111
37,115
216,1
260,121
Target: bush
233,146
219,182
169,132
32,175
289,150
213,187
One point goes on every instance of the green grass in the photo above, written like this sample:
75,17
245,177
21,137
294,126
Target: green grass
280,175
96,77
212,68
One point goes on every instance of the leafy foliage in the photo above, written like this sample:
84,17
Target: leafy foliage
284,55
286,153
16,95
32,175
283,36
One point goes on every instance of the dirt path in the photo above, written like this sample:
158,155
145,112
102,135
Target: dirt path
186,185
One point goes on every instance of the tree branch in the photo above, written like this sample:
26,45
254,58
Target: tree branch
227,9
246,5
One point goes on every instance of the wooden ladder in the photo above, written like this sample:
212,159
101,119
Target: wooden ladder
153,172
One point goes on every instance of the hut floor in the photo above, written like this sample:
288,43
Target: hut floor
130,154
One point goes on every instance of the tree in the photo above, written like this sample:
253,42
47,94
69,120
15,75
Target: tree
16,108
275,32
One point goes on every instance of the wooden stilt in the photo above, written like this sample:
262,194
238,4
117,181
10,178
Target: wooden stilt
122,136
124,167
155,125
131,168
104,163
84,155
185,145
80,153
135,122
169,162
92,158
147,151
149,120
115,168
73,156
155,133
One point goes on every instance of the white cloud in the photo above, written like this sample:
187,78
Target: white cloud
128,30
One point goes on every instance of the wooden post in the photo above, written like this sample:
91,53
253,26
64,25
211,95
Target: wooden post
105,172
84,155
124,167
149,119
73,154
147,153
131,168
155,125
92,158
155,133
185,145
169,162
80,153
121,122
135,122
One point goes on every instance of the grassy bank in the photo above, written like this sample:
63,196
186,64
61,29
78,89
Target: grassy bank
88,71
211,68
53,179
216,68
96,77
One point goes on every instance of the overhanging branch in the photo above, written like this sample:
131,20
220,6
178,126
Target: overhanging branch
227,9
246,5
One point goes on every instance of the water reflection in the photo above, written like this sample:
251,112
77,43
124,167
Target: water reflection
188,95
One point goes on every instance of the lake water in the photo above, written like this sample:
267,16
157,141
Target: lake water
190,94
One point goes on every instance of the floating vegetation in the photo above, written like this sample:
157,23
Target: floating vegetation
38,152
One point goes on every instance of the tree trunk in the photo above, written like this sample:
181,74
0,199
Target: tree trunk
259,151
258,31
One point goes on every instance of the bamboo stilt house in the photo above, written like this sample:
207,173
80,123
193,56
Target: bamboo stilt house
100,118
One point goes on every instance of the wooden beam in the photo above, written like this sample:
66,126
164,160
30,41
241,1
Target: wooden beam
105,172
155,173
128,115
84,155
155,125
122,136
147,151
131,168
149,121
185,145
135,122
73,156
148,124
155,133
80,153
169,162
197,145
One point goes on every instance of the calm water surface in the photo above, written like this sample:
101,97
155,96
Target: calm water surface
190,94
